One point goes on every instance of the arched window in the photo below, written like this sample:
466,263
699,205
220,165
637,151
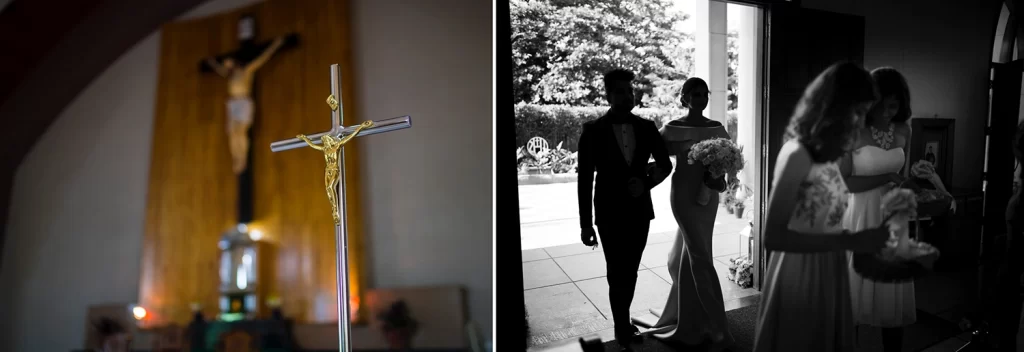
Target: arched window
1004,47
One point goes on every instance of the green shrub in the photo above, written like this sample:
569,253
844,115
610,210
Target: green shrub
563,124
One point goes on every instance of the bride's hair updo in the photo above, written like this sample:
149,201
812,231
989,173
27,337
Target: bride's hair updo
891,84
688,86
823,120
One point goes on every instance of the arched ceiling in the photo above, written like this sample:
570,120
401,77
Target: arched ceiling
52,49
1012,31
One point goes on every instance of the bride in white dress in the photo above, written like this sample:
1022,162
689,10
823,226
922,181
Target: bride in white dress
871,170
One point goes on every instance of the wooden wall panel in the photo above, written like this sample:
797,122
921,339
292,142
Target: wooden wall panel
191,199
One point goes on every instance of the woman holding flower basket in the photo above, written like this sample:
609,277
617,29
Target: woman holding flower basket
704,155
805,301
871,172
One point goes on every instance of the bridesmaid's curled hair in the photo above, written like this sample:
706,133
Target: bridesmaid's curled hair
891,83
823,121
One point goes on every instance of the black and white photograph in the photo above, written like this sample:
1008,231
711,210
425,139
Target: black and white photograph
763,175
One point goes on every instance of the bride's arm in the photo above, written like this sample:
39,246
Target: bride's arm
662,162
857,184
791,168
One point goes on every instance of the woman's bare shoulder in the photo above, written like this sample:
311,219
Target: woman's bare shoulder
902,128
793,149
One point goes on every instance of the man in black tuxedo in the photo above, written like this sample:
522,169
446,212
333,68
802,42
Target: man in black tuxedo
618,146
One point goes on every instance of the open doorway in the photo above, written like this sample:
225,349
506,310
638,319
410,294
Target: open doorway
560,51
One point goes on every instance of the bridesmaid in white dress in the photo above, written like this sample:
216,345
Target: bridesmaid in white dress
805,303
871,170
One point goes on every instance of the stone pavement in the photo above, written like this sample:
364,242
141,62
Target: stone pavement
567,293
567,289
565,281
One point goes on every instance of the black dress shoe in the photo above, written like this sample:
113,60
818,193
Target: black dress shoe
633,337
624,345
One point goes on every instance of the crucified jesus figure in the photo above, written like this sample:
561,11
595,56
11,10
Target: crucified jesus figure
330,146
240,105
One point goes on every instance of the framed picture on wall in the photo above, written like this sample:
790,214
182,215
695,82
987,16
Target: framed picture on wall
932,140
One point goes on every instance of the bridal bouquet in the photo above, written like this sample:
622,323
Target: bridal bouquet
719,155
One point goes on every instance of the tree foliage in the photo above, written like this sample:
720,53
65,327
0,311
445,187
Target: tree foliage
562,48
733,53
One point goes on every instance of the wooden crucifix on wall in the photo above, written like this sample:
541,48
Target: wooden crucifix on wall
239,69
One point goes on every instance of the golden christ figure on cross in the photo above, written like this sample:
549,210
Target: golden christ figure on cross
330,146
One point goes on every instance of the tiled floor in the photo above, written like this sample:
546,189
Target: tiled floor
567,295
567,290
549,215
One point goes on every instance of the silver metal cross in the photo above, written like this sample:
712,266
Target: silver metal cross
334,154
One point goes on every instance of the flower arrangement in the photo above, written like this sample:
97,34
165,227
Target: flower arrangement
898,207
922,169
398,325
560,161
899,204
903,259
741,271
935,201
730,202
719,155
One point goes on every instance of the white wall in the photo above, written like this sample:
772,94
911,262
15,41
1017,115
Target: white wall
430,186
944,50
74,231
74,234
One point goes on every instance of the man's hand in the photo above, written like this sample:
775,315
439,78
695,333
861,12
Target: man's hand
589,237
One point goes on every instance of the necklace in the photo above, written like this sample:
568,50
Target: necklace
884,139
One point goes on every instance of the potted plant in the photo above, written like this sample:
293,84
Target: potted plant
398,326
739,210
729,200
741,195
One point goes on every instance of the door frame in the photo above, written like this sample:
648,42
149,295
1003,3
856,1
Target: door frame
761,255
514,334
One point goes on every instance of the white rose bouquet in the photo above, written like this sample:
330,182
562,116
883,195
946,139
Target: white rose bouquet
719,155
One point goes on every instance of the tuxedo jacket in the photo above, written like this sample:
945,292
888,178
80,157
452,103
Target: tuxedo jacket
599,151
